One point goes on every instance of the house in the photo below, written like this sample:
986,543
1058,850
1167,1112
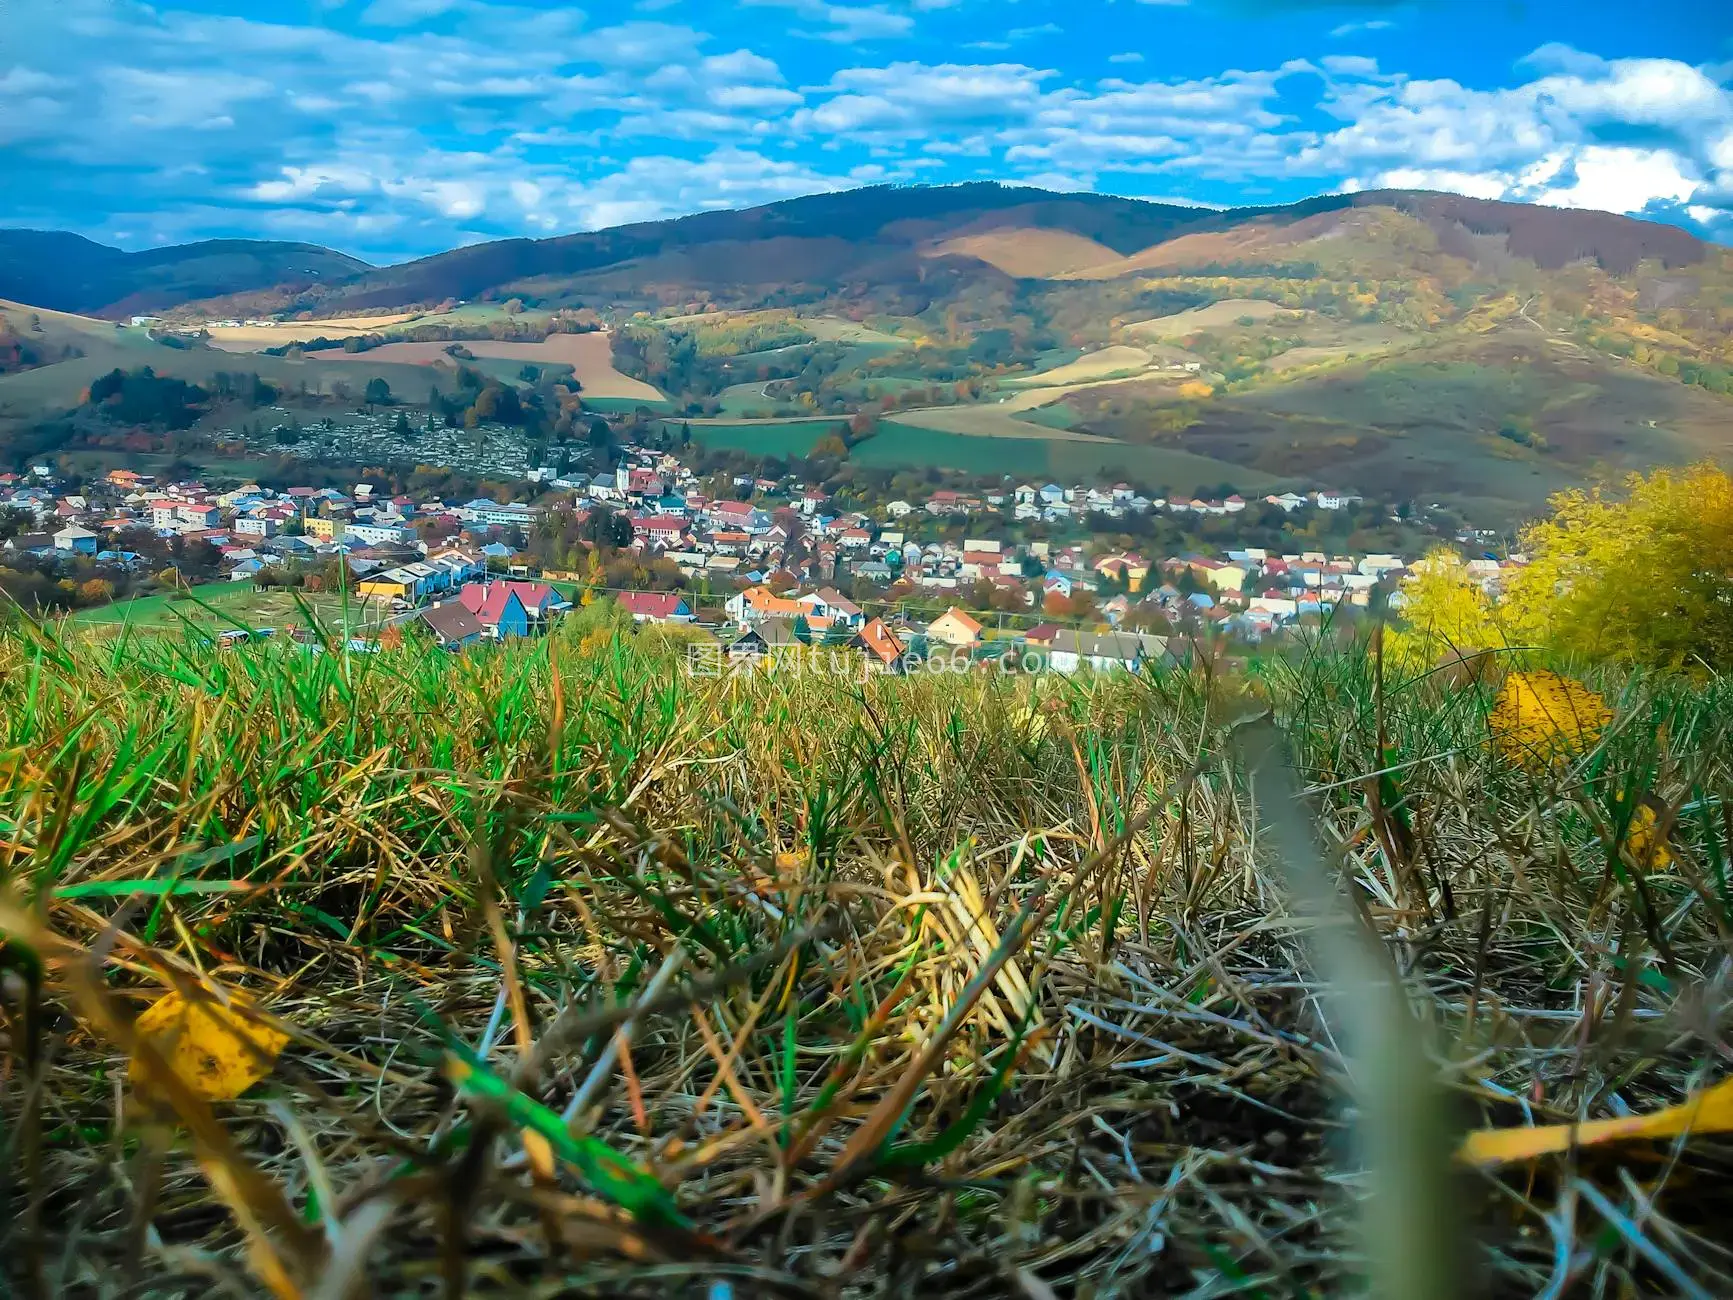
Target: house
496,608
258,526
1105,651
392,584
539,600
756,604
80,541
829,603
495,515
1041,635
883,649
741,515
656,607
764,640
1221,576
453,626
378,534
660,530
954,628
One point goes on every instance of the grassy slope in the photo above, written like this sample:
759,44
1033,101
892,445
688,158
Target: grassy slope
1430,419
1045,452
227,604
500,848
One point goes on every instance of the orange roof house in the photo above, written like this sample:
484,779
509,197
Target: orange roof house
954,627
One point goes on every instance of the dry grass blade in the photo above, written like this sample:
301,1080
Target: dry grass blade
1413,1249
949,987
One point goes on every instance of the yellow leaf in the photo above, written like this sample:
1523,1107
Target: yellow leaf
216,1050
1648,848
1542,718
1709,1111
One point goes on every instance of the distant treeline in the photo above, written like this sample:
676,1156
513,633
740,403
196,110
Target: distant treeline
510,330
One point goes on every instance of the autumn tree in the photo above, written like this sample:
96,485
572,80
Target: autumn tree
1647,579
1444,611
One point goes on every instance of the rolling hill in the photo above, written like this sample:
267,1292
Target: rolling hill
864,240
1391,341
66,272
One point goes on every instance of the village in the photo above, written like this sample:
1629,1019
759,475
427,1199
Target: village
769,565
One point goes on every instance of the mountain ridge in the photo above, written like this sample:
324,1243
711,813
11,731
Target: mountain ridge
890,231
891,224
62,271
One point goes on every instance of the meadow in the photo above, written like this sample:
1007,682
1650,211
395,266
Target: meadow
1046,453
219,605
587,355
554,967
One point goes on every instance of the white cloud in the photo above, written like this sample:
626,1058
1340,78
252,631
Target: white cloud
845,24
742,65
486,119
1354,29
637,44
1349,65
405,13
1621,180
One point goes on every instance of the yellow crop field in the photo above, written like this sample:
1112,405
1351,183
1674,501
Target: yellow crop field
989,421
256,338
1112,362
1216,316
589,355
1028,253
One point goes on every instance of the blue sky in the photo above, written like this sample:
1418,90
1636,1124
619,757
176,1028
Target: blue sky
395,128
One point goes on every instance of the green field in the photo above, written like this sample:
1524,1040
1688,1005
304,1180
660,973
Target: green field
745,400
227,604
786,438
902,446
623,405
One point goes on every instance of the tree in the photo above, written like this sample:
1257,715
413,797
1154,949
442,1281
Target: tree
606,528
1444,612
802,630
1645,580
401,427
830,447
378,392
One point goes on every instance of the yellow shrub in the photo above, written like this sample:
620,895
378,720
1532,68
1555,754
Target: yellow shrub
1542,719
1444,611
1647,579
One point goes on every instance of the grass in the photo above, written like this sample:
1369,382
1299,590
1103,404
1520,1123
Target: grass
899,446
782,438
224,604
623,405
607,979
